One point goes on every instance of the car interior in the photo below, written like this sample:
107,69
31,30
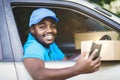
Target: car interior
72,26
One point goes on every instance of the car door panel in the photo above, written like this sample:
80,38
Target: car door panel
7,71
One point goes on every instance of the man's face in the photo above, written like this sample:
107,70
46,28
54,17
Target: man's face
45,31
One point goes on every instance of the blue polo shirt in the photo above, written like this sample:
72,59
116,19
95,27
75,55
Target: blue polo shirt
33,49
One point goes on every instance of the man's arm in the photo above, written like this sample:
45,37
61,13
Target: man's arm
36,68
38,71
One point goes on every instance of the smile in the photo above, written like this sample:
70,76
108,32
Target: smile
49,36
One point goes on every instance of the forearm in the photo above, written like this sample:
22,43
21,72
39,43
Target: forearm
38,70
83,65
55,74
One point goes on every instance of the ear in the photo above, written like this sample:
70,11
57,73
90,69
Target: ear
32,30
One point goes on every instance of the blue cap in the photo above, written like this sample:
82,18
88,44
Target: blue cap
40,14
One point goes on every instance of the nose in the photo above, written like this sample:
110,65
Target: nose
49,29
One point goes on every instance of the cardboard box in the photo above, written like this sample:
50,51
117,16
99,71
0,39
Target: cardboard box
110,49
79,37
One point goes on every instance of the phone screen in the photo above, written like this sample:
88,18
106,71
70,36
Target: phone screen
95,46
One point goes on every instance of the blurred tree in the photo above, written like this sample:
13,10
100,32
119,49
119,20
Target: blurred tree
111,5
101,2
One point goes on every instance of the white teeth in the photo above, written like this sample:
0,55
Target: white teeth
49,36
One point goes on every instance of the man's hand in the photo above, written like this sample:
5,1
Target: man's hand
86,64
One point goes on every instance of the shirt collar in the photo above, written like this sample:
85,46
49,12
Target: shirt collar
30,37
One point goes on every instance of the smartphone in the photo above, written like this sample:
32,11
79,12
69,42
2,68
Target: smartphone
95,46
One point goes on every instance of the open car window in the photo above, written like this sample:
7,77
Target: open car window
71,24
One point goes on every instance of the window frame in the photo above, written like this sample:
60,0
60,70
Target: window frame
4,36
0,51
14,43
14,35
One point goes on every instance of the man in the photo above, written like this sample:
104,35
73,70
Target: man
41,47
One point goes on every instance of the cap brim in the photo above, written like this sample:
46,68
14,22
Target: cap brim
40,19
54,18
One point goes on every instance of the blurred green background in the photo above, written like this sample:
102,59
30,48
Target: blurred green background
111,5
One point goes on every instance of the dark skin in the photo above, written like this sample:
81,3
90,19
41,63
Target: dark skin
45,33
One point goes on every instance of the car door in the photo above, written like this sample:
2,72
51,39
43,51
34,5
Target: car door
74,18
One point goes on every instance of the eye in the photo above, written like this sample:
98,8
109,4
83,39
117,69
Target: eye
53,26
42,26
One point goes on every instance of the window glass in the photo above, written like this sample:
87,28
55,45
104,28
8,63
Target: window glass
71,23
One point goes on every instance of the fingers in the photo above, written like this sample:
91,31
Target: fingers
84,54
93,54
88,64
96,64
